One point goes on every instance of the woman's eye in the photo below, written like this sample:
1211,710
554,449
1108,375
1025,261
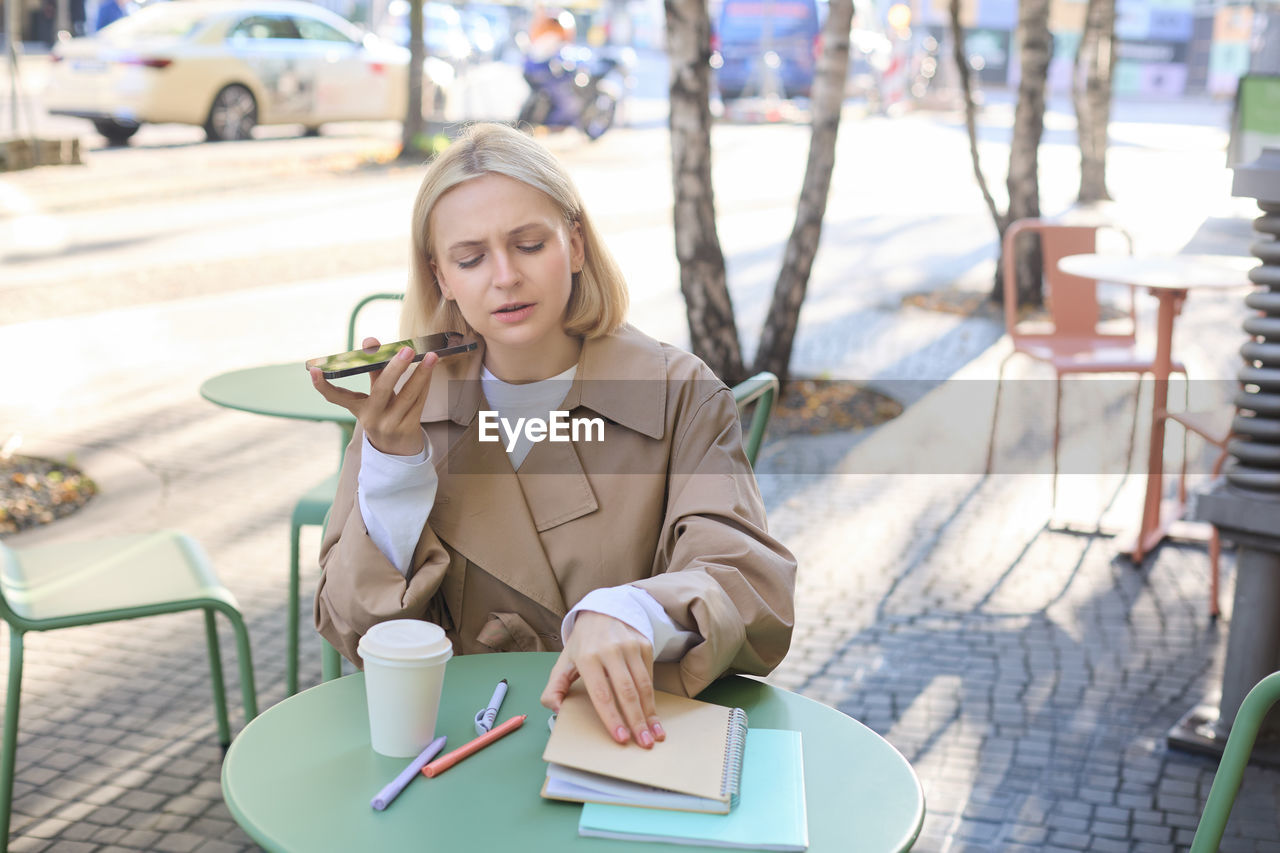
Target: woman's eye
529,250
470,262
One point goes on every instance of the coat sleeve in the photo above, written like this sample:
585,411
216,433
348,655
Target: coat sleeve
359,587
717,570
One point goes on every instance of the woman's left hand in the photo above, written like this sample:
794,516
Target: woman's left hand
615,663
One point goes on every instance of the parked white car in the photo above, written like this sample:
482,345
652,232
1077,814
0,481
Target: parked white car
228,66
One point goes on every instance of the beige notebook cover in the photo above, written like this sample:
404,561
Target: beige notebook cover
701,757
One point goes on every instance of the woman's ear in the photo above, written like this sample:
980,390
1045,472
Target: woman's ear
577,248
444,288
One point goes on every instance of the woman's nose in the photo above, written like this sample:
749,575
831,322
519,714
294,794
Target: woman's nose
504,270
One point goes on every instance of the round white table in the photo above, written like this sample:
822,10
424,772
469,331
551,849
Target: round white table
1168,278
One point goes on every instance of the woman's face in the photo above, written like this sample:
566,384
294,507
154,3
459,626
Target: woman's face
504,253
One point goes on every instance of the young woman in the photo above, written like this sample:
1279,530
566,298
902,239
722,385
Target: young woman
638,549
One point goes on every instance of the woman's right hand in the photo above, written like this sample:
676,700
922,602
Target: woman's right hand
392,419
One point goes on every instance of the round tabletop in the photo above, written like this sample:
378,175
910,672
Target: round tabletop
279,390
300,776
1162,272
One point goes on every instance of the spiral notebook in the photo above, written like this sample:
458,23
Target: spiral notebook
697,768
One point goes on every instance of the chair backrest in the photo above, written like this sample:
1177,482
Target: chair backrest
1226,782
347,429
11,583
761,389
355,313
1072,300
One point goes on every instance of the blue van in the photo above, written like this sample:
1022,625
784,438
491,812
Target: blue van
748,31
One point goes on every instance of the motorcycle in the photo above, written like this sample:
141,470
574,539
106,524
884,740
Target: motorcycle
576,87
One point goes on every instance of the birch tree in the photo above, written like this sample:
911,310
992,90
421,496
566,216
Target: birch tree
414,125
713,330
1091,95
1023,180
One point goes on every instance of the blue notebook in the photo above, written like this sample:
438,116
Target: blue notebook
770,814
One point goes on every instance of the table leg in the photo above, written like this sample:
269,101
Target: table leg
1153,526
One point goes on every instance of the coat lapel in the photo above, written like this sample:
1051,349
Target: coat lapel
480,509
555,486
492,516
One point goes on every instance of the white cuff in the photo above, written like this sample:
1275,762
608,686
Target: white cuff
641,611
396,494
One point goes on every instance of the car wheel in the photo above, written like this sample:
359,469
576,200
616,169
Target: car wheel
116,132
233,114
313,130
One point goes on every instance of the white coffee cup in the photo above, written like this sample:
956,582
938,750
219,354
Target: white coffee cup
404,662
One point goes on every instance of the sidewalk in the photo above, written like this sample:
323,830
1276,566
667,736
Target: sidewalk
1026,674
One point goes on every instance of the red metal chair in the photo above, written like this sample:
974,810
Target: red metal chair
1072,342
1215,428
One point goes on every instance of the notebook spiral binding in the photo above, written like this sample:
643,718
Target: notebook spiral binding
735,743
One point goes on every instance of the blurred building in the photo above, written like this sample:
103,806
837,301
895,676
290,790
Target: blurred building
1165,47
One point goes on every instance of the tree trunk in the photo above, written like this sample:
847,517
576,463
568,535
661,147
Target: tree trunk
713,332
413,126
1091,94
971,112
1001,220
1028,127
778,335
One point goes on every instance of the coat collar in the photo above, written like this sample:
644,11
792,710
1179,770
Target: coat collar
622,376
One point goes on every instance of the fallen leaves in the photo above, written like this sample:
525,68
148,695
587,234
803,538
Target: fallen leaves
37,491
815,406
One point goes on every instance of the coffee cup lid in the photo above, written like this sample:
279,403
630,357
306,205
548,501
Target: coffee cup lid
406,639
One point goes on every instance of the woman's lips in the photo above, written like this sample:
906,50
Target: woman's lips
514,316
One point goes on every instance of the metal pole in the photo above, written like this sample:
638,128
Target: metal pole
1246,507
62,19
1255,630
13,15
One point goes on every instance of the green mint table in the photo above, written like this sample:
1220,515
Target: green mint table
280,391
285,391
300,776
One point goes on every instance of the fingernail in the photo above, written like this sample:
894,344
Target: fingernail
621,734
658,731
646,739
405,353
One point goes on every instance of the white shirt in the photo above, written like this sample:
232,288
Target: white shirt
396,493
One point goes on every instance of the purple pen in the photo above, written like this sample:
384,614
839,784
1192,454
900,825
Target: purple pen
384,797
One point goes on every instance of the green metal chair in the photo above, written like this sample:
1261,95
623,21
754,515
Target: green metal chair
761,389
65,585
1226,782
313,509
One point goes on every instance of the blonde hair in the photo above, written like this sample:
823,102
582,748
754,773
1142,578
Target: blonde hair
598,302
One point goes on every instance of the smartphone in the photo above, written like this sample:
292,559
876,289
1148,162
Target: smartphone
362,361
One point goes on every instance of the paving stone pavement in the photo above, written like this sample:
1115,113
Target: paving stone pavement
1027,674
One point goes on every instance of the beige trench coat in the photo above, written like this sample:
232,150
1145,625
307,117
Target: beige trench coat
665,502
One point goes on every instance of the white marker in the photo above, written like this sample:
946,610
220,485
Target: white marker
486,715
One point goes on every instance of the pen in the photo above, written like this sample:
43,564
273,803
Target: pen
485,716
444,762
384,797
